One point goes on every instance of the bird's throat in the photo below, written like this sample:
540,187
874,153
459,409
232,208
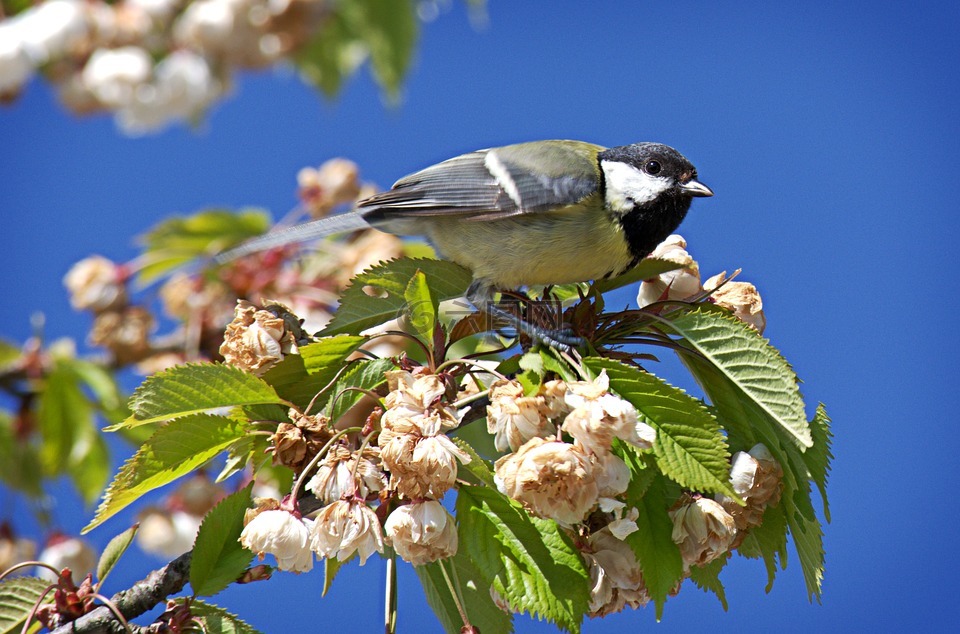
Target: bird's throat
647,226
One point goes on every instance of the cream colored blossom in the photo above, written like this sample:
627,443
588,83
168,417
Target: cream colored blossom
67,552
422,532
334,183
345,527
740,298
553,404
702,529
597,417
283,535
167,534
334,479
13,549
555,480
756,477
95,283
125,333
615,577
513,418
677,284
612,474
256,339
421,466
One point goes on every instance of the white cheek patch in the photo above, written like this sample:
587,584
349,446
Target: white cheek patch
628,186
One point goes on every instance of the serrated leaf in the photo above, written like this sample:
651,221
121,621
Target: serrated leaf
689,447
807,536
194,388
218,558
707,578
366,375
113,551
298,378
175,450
647,268
769,542
477,466
818,457
331,566
17,598
216,620
658,556
474,592
386,283
421,309
749,362
530,562
176,241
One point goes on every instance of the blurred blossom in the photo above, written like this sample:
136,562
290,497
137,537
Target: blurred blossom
283,535
16,67
677,284
555,480
740,298
167,534
334,183
113,75
96,283
702,529
513,418
13,549
62,552
125,333
52,29
346,527
422,532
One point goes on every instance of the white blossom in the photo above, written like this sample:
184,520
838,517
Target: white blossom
283,535
422,532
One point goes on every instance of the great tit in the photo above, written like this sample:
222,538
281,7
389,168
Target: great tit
537,213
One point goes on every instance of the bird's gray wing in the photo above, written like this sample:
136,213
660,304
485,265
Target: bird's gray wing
495,183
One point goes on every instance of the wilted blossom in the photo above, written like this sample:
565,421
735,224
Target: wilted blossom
554,479
702,529
334,183
62,552
597,417
256,339
335,479
553,403
513,418
677,284
612,474
615,577
167,534
96,283
125,333
422,532
282,534
345,527
756,477
740,298
295,444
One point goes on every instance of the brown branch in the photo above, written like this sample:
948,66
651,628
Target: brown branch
140,598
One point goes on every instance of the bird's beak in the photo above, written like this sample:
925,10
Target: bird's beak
696,188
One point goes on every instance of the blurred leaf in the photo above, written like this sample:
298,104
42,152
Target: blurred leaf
18,595
174,451
218,558
531,563
333,54
113,551
216,620
298,378
421,308
482,612
647,268
377,295
707,578
103,384
176,241
658,556
366,375
63,414
689,447
89,464
8,353
747,361
192,388
20,466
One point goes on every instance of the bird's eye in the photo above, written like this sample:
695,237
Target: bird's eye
652,167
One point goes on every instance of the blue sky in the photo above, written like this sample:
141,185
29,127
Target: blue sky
829,134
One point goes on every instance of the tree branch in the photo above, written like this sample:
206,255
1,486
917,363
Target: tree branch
141,597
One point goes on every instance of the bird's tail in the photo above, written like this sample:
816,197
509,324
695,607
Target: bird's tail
331,225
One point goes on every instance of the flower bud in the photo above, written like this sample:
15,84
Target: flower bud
756,477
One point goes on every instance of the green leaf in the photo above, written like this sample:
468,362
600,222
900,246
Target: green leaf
807,535
8,353
331,566
89,464
193,388
707,578
749,362
216,620
531,563
385,284
421,308
768,541
17,598
20,466
366,375
646,269
689,448
113,551
218,558
818,457
658,556
389,29
477,466
474,593
108,396
176,241
64,414
174,451
298,378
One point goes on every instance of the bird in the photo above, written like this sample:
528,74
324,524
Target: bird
528,214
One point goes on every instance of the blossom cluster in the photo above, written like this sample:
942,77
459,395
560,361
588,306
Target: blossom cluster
152,62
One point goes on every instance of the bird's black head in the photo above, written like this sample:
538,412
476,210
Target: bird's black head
648,187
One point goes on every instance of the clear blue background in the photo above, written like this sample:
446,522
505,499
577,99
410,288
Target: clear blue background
829,133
